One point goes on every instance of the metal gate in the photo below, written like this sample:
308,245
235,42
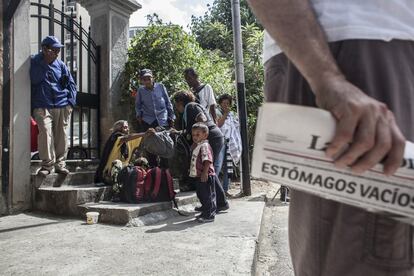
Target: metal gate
82,56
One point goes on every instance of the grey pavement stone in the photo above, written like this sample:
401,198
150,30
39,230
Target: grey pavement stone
34,244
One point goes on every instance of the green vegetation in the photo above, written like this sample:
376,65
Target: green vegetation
167,49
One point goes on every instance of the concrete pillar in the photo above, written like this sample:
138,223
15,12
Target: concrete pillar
20,187
109,29
3,207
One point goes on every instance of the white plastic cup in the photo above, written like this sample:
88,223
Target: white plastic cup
92,217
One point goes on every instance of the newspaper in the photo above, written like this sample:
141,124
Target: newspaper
289,149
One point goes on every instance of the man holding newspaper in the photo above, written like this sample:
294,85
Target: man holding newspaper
355,59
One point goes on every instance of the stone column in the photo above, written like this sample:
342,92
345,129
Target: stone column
109,30
19,185
3,207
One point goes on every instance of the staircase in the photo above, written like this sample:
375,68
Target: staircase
75,194
62,194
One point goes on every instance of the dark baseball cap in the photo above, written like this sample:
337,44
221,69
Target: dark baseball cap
145,73
52,42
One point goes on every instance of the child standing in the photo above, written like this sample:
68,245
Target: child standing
202,170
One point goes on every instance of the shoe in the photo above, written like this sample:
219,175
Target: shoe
43,172
223,208
198,209
204,220
101,184
62,170
116,199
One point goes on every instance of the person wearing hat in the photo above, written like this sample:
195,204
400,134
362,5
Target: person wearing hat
152,103
53,94
153,106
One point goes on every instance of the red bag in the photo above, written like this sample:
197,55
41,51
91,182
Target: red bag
34,131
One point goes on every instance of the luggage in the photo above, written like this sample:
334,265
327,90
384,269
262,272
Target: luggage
138,185
180,163
159,185
159,143
131,181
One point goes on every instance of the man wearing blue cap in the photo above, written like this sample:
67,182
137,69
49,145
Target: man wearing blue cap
53,98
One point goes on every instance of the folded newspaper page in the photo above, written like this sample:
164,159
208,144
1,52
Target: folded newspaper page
290,148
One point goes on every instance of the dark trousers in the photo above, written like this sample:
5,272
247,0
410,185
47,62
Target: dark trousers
217,144
206,193
152,158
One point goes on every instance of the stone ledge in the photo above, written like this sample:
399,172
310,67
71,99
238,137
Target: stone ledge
123,213
65,200
58,180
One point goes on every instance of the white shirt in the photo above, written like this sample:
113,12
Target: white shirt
358,19
206,96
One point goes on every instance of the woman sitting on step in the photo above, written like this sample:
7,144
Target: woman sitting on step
119,146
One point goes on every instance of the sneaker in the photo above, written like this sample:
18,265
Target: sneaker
43,172
61,170
204,220
223,208
198,209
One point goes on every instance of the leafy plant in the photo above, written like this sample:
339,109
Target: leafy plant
167,50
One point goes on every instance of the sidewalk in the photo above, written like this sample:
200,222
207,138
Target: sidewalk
34,244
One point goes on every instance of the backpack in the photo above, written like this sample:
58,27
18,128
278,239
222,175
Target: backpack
131,180
158,185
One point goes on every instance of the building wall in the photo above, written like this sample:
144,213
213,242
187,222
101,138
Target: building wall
20,186
3,207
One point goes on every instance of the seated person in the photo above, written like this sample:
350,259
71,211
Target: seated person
119,146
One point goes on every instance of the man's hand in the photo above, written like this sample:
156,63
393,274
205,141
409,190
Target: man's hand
139,120
170,123
366,131
363,124
204,176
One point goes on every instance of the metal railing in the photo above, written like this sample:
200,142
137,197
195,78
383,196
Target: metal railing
84,126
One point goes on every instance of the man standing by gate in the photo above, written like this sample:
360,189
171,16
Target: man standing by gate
53,98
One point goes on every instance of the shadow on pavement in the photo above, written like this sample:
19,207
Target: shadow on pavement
179,224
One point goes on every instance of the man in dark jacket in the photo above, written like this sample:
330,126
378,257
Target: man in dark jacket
53,98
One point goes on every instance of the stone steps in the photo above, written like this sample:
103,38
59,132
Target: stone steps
123,213
72,165
66,199
57,180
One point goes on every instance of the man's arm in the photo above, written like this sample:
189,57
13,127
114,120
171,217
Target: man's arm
213,113
138,107
37,71
70,85
171,114
362,121
211,102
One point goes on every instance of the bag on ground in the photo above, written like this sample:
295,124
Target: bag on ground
131,180
158,185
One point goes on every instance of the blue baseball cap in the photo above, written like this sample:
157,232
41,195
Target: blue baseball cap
52,42
145,73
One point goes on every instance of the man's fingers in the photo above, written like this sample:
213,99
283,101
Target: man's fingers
364,140
343,135
383,143
395,155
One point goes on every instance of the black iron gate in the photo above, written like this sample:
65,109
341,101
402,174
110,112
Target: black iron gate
82,56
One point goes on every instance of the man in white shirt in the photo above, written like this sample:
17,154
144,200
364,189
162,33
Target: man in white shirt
355,59
203,92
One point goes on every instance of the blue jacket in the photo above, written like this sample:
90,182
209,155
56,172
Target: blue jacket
154,105
52,84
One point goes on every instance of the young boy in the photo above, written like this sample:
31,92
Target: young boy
202,170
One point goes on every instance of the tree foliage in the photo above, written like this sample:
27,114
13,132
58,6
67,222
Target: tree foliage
167,50
213,31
